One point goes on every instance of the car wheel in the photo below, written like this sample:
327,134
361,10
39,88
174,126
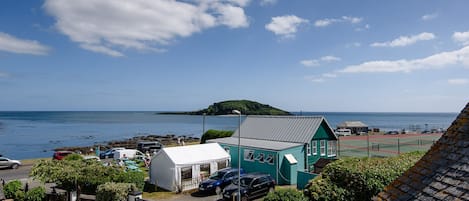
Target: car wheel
106,157
14,166
218,190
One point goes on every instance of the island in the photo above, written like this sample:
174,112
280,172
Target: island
246,107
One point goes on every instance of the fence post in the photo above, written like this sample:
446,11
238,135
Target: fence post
368,144
398,146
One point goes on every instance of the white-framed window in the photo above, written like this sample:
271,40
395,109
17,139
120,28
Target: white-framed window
331,148
322,147
270,159
248,155
186,173
260,158
315,147
308,149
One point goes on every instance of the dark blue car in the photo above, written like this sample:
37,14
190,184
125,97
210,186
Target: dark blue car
219,179
253,185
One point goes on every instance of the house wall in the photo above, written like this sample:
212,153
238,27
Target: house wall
280,169
321,134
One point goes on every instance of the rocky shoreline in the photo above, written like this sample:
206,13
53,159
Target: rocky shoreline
131,143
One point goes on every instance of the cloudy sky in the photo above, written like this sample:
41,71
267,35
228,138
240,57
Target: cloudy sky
299,55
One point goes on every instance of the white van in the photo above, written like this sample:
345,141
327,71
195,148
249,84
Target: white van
343,132
129,154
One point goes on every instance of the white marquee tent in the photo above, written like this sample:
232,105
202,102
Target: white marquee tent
182,168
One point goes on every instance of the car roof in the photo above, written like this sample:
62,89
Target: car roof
64,151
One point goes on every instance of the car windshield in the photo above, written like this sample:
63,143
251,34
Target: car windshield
244,181
217,175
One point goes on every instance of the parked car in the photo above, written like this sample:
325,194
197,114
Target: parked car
150,147
129,154
91,158
59,155
8,163
253,185
392,133
219,180
109,153
343,132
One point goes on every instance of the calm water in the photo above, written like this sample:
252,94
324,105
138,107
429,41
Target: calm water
35,134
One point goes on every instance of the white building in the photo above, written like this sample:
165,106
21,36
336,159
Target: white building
182,168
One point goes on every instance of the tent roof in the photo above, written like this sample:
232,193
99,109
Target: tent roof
195,154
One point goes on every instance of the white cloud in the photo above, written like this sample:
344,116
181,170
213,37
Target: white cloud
429,16
458,81
329,75
314,78
109,26
285,26
406,40
354,44
440,60
317,62
329,21
4,75
461,37
9,43
330,58
309,62
268,2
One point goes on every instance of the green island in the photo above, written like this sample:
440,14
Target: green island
246,107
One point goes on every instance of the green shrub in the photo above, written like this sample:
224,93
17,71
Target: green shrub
285,195
114,191
35,194
11,188
133,177
73,157
213,134
359,178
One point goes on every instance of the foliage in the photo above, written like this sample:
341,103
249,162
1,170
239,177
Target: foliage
359,178
246,107
114,191
83,174
35,194
11,188
285,195
73,157
213,134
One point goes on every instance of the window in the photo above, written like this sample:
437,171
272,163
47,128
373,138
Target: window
323,148
221,164
315,147
186,173
331,148
260,157
204,170
269,159
308,149
248,155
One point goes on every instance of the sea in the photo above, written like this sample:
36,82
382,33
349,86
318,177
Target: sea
25,135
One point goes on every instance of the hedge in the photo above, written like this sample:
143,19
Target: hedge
114,191
213,134
285,195
11,188
359,178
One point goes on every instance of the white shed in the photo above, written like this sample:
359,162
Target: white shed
182,168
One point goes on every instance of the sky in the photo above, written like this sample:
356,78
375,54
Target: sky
297,55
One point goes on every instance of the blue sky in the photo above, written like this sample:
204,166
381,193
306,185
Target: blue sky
308,55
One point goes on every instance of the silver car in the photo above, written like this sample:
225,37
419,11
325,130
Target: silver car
8,163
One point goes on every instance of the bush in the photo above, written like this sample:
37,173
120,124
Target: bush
114,191
285,195
213,134
359,178
73,157
11,188
133,177
35,194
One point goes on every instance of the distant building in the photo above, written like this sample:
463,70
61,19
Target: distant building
442,173
357,127
281,145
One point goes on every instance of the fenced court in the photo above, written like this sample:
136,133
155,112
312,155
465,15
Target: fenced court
385,145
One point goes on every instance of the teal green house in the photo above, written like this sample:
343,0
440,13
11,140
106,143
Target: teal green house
281,146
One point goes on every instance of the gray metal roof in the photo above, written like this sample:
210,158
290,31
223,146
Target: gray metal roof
296,129
263,144
352,124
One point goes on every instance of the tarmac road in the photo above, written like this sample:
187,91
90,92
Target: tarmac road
11,174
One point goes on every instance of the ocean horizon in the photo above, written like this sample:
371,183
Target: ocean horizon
34,134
